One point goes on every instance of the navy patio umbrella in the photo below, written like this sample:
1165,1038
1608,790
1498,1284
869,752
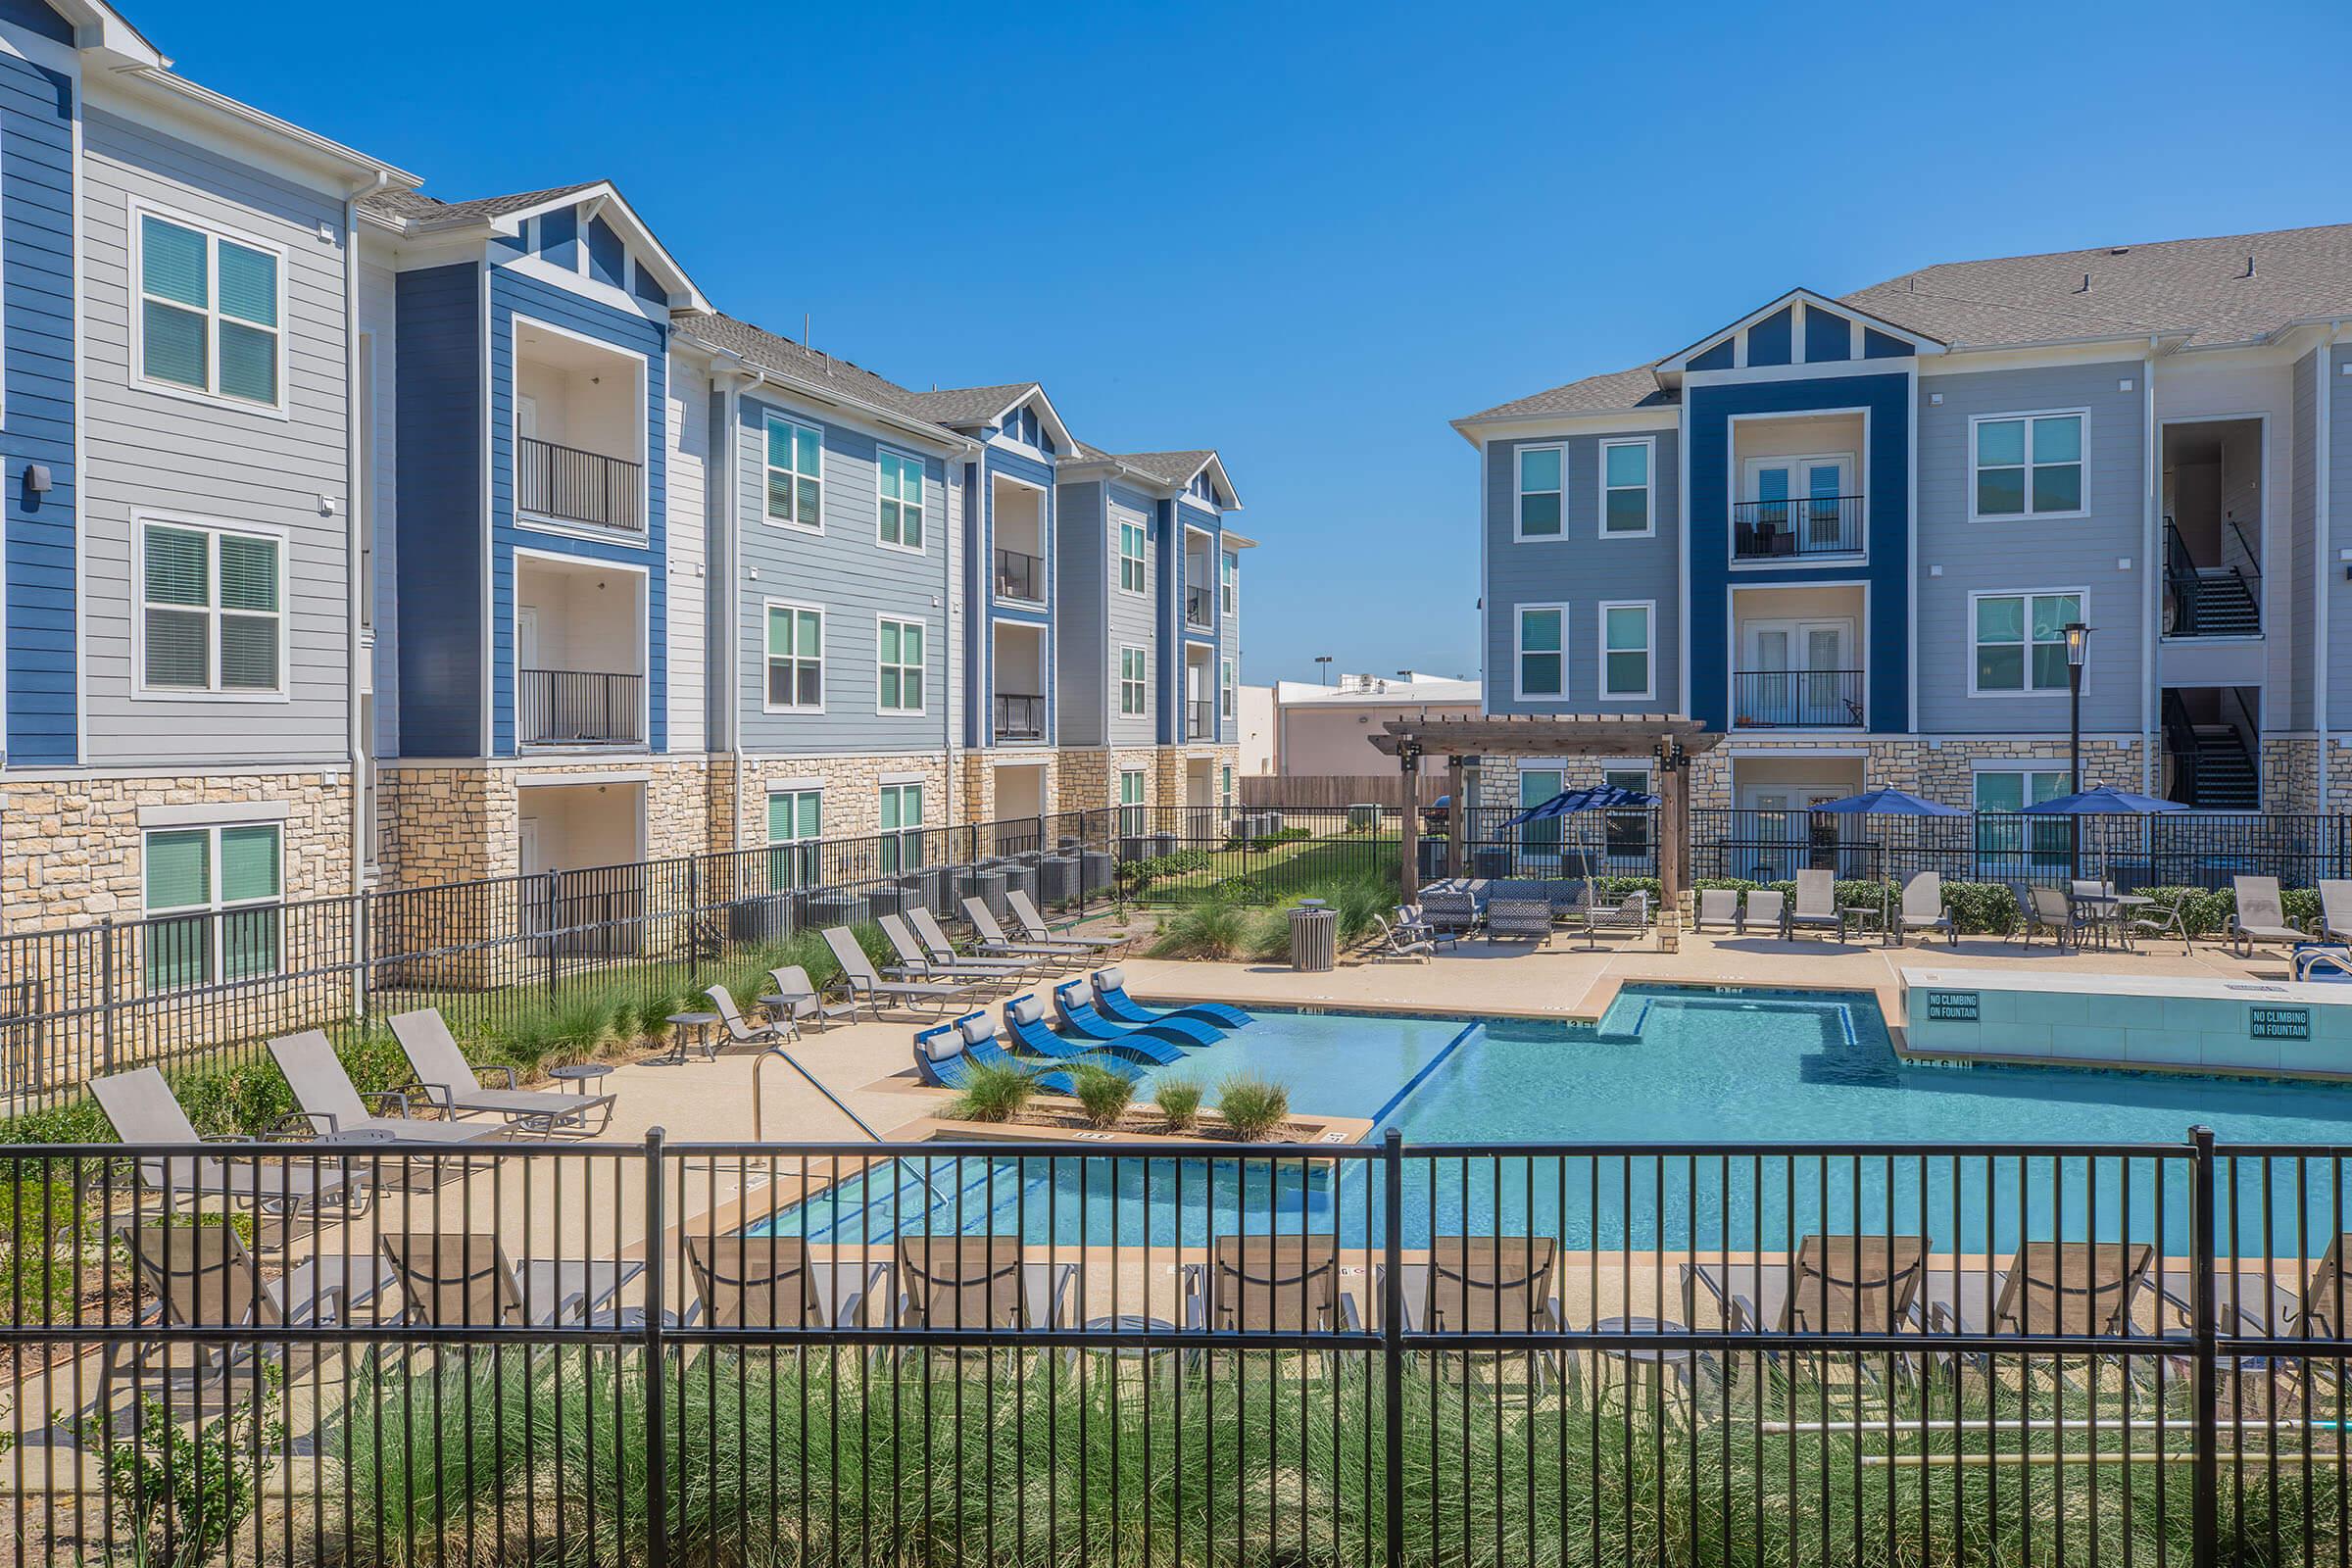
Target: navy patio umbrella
2103,800
1888,801
1597,798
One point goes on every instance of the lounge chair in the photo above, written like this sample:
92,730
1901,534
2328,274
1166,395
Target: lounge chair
1401,942
1025,1026
1816,907
1717,908
1923,908
1519,920
451,1085
1454,911
858,970
1112,1000
140,1105
796,998
1033,925
2258,915
1483,1285
1075,1015
1628,914
2069,1288
1270,1284
463,1279
992,939
979,1032
332,1107
2336,911
1413,922
1835,1285
1763,909
942,1061
741,1030
914,963
770,1282
948,1283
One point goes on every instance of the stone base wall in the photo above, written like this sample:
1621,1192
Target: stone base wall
71,849
852,786
459,822
1082,780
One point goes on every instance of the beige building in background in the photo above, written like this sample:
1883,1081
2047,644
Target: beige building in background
1326,731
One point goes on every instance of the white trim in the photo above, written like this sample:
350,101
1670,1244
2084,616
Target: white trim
2082,596
1649,487
541,522
1118,546
802,784
212,814
1649,651
771,415
1792,298
767,610
214,904
1118,675
922,671
2029,416
1520,492
1044,531
922,546
138,210
623,775
1229,584
212,528
1519,693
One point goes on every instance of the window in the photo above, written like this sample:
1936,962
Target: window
2029,465
2020,641
1626,834
795,659
902,481
901,658
1131,803
2015,846
1225,688
902,827
1232,582
1625,650
1535,786
1625,487
1541,489
1225,784
212,898
1131,558
795,488
1542,643
1133,692
210,611
208,313
795,823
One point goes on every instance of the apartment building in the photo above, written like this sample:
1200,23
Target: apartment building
1851,533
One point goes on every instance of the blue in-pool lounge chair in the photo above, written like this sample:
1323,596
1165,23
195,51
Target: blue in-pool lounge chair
1113,1002
1076,1016
1025,1026
944,1059
979,1032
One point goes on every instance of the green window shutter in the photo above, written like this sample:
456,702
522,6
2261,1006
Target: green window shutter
248,284
172,262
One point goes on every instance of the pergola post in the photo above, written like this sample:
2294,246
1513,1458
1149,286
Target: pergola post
1457,813
1674,823
1409,758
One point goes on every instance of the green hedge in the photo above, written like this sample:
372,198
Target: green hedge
1990,908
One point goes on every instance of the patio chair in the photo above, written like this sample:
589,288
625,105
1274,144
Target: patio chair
937,946
770,1282
1034,928
1718,908
2258,915
1519,920
463,1279
2336,911
992,939
942,1061
1414,922
948,1283
1483,1285
796,998
1923,908
1399,941
1816,907
2060,915
741,1030
863,980
1763,910
1075,1015
1270,1284
1112,1000
1453,911
1628,914
2021,897
1833,1284
452,1086
140,1105
2070,1287
914,962
332,1107
979,1032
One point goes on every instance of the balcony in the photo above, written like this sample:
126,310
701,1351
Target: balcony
580,431
1798,699
1200,721
1022,576
1811,525
568,485
579,707
1200,608
1021,716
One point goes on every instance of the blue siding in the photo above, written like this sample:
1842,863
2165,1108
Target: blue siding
1191,515
607,258
1877,345
511,292
36,193
439,423
1827,337
560,236
1769,340
38,18
1706,427
1718,358
1013,465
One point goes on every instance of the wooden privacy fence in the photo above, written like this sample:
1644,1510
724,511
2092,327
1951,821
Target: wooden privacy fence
1274,791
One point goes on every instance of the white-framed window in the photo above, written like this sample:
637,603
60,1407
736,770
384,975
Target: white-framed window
796,657
901,479
1133,686
1225,784
212,617
902,827
1626,648
796,476
1131,802
1542,491
212,898
2008,845
1626,511
1232,582
209,313
1225,688
2026,464
1541,665
1626,833
795,823
899,662
1131,558
2018,641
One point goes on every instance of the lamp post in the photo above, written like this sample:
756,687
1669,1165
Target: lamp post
2077,648
1324,661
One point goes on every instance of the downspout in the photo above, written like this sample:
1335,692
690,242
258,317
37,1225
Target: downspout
2323,458
2151,605
360,747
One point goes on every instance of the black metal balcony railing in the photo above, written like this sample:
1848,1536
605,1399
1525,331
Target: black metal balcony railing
1811,525
1020,577
1200,607
1796,699
1200,721
571,486
1021,716
579,707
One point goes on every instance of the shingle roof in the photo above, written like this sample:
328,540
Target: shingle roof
970,405
2199,287
785,356
407,204
1174,467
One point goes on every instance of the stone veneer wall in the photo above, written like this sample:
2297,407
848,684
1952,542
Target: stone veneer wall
71,848
462,823
852,786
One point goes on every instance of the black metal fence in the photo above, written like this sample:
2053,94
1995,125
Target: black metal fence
1177,1353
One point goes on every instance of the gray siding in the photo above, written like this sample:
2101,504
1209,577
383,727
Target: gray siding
151,451
2303,514
1583,570
2339,530
2029,554
855,580
1081,667
1133,618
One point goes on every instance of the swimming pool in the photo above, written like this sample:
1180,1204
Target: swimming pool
1730,1067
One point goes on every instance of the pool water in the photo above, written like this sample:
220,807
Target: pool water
1739,1068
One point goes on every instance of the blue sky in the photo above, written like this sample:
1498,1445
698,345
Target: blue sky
1310,236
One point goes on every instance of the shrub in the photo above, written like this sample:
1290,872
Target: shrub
1212,930
1253,1108
994,1093
1179,1102
178,1494
1103,1095
40,1236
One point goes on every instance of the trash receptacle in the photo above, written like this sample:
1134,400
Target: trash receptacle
1314,937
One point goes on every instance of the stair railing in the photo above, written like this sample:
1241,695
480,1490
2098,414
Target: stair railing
2180,577
2240,719
2180,743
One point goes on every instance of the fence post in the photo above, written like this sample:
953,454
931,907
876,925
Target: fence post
694,921
554,889
105,992
1392,1337
656,1436
2205,1377
367,955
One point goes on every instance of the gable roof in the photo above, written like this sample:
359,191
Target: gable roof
967,407
417,206
416,212
1167,470
821,374
1680,359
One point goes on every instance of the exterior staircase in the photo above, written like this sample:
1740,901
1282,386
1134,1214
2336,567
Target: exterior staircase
2215,601
2224,778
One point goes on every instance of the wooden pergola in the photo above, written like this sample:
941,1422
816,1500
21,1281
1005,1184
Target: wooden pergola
1668,740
